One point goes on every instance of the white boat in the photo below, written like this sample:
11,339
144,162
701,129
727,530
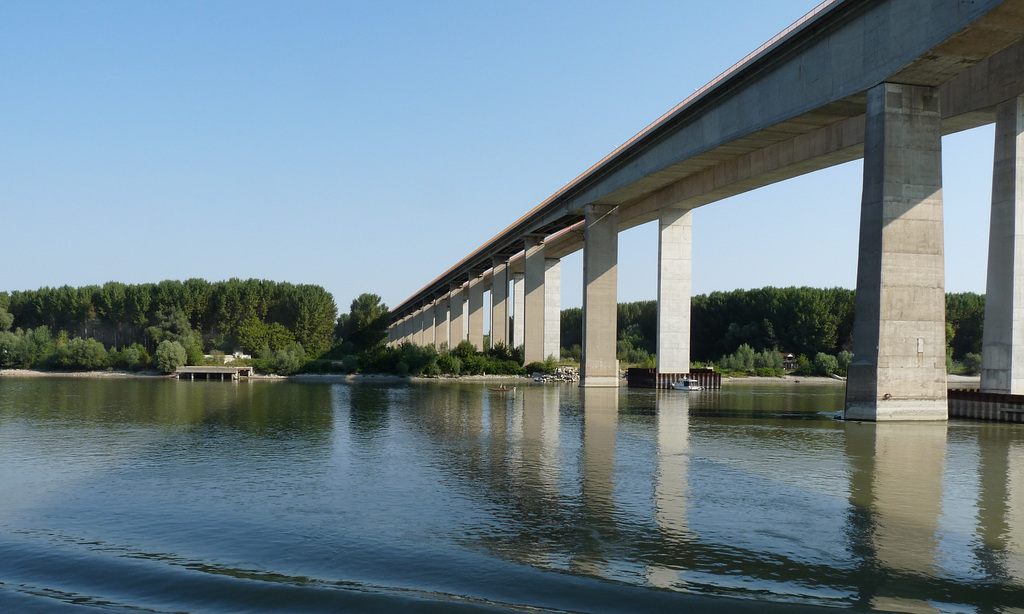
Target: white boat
686,384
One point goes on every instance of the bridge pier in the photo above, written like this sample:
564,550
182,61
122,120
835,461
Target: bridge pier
552,308
456,320
499,301
899,348
421,325
675,248
519,306
533,269
1002,355
600,291
476,311
440,322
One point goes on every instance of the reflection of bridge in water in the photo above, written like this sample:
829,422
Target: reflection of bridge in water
656,488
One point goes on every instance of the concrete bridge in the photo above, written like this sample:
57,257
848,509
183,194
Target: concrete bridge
882,80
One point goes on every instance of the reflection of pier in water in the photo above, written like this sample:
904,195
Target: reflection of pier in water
879,511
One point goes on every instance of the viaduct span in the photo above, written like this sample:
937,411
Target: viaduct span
881,80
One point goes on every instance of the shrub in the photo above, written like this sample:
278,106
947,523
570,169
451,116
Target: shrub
169,355
536,367
844,359
972,363
86,354
449,364
464,350
825,364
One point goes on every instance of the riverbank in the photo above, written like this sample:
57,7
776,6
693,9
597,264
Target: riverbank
952,380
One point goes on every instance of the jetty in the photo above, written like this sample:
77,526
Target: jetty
212,373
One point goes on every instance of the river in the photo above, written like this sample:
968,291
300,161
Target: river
152,495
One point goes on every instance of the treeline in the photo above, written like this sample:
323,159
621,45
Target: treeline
804,321
225,316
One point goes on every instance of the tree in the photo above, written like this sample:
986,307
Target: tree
6,319
368,322
169,356
80,353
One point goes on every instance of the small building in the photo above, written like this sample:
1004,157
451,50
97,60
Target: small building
788,361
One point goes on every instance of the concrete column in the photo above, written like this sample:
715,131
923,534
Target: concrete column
533,342
441,323
675,246
899,334
600,290
457,322
519,307
429,324
419,338
1002,354
407,323
499,301
476,312
552,308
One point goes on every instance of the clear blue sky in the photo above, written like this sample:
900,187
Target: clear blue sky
367,147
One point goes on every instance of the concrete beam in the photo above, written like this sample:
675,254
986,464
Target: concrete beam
675,246
552,308
600,291
899,345
533,346
1002,356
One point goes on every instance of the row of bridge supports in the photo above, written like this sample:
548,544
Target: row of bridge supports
899,367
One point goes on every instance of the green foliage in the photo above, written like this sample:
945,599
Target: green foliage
6,319
742,360
536,367
285,361
132,358
367,325
573,354
449,364
10,351
972,363
825,364
464,350
965,318
844,359
196,313
169,355
85,354
768,363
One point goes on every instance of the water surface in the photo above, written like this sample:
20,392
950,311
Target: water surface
165,496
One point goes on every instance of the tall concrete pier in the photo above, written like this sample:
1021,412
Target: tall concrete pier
899,334
1002,356
600,291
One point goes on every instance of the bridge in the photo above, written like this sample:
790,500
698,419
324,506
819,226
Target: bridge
881,80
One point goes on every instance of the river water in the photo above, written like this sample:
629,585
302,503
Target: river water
152,495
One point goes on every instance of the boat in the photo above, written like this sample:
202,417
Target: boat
502,389
684,383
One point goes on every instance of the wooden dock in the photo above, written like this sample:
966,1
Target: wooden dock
212,373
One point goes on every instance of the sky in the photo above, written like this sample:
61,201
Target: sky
369,146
